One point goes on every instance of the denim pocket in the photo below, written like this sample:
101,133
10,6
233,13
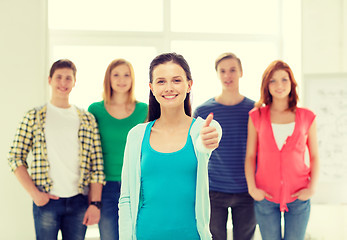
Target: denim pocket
43,206
299,206
264,199
266,207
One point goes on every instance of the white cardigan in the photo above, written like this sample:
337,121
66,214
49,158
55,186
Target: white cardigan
131,179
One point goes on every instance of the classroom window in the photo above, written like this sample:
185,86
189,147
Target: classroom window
92,33
225,16
106,15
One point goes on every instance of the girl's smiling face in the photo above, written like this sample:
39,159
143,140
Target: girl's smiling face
279,85
170,85
121,79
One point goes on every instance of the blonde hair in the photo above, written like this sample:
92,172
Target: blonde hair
107,94
227,55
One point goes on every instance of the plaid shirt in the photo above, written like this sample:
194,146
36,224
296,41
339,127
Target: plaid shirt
30,137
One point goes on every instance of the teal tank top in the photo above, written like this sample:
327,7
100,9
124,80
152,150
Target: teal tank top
168,192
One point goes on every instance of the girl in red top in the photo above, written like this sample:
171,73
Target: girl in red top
278,178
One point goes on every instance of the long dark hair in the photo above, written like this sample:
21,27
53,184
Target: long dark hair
153,106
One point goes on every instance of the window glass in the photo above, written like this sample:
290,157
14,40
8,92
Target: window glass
91,63
225,16
106,15
201,55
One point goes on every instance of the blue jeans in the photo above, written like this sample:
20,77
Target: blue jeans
65,214
268,216
108,225
242,213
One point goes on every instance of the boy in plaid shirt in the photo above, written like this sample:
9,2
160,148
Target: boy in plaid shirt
66,172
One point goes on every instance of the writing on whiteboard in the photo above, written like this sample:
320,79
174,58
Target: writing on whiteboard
327,97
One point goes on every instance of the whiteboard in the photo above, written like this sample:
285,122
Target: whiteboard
326,95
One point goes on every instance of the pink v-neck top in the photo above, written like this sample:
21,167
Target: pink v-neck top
281,172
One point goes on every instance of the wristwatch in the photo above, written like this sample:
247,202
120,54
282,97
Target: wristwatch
98,204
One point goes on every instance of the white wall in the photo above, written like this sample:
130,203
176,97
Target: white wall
344,36
22,76
324,36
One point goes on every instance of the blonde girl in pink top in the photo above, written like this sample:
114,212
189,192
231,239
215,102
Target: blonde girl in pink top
278,178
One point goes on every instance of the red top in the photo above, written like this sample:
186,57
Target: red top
281,173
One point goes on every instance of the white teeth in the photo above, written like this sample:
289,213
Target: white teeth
170,97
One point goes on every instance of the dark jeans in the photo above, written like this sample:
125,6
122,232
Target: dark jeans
65,214
242,211
108,225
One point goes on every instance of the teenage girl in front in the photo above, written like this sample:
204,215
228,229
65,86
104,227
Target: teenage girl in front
164,191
